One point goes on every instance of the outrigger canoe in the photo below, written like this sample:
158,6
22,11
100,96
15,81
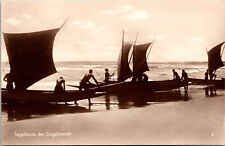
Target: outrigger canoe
216,83
47,96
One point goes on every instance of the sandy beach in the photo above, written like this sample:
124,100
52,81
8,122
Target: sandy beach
200,120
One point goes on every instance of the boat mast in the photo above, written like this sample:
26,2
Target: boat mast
121,51
133,47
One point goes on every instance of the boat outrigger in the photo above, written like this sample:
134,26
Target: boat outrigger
214,62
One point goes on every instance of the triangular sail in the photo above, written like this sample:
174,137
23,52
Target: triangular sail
30,56
139,59
124,71
214,58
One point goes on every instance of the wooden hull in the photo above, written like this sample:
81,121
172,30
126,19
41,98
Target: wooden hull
149,86
45,96
216,83
72,95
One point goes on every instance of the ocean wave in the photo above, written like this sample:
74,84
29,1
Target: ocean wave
199,67
192,70
68,68
91,66
77,68
154,66
163,74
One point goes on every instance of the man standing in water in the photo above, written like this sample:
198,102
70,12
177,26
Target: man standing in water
85,83
184,78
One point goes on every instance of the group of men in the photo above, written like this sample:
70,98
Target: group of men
184,78
210,75
85,83
140,78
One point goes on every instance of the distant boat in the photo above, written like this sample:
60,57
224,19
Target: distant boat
140,65
214,62
30,60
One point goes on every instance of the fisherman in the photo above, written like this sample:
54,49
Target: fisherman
140,78
184,78
175,75
144,77
212,75
8,78
207,75
107,75
85,83
135,78
60,87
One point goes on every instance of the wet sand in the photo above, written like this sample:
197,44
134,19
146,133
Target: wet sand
200,120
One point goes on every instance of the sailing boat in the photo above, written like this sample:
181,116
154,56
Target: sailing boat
30,60
214,62
139,67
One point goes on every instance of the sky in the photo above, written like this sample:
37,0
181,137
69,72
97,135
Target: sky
182,30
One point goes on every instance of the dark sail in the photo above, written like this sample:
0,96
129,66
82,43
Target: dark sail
214,58
124,71
30,56
139,59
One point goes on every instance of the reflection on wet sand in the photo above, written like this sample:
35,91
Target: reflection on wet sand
142,99
210,91
107,101
22,111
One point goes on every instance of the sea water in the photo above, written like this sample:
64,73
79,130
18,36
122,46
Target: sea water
73,73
